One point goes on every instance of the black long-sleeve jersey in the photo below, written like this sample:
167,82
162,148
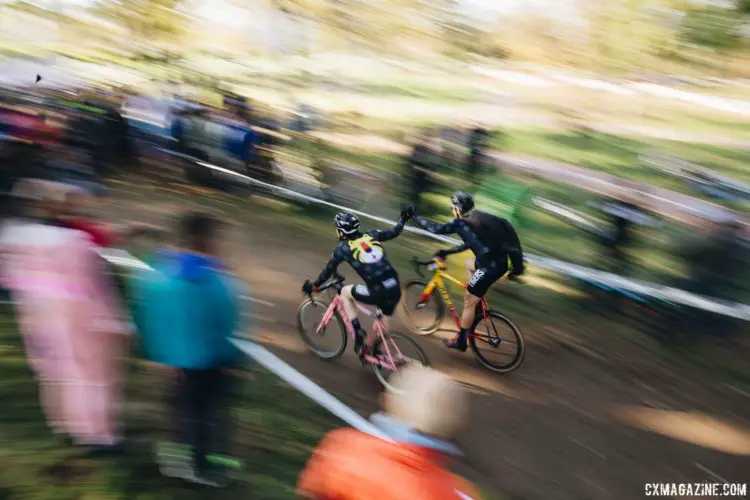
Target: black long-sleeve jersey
485,235
367,257
460,227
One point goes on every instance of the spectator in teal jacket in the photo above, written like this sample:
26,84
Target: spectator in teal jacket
188,307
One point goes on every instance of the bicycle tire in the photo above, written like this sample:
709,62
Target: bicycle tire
306,338
440,313
383,375
520,342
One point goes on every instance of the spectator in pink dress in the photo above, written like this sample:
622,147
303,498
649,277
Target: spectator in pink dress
73,327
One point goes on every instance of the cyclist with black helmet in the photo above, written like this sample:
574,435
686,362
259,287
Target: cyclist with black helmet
492,240
364,252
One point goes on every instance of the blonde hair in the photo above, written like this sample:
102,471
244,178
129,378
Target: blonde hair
428,400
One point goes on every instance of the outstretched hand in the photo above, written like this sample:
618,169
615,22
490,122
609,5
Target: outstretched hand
440,255
308,288
408,212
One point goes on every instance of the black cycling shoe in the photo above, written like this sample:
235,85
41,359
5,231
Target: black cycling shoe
360,338
459,343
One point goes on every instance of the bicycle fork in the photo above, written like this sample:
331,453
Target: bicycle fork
429,290
328,315
425,295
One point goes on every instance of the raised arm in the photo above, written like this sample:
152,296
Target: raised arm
391,233
447,228
460,248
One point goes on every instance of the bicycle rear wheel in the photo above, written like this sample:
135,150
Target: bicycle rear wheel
425,319
497,342
332,337
399,348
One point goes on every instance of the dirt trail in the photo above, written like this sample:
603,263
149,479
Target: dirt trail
567,425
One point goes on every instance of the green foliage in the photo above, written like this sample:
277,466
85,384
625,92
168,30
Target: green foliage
274,429
713,28
150,21
617,35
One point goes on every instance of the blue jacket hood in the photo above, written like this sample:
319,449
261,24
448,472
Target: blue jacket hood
188,307
193,267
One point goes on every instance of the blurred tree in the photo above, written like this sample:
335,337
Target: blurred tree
459,35
149,21
530,36
629,35
386,27
70,27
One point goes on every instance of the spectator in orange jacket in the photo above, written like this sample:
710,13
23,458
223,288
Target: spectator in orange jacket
352,465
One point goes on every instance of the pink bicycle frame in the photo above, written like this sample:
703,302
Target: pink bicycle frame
379,327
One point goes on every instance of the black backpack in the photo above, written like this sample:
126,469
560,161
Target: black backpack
495,232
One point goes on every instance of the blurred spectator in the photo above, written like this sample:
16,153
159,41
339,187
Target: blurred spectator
119,152
195,135
237,106
80,212
624,215
8,176
177,129
305,119
189,308
421,165
716,258
477,145
71,165
453,141
75,214
72,326
351,465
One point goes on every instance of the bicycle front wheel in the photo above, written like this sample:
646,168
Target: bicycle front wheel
423,318
497,342
330,341
396,352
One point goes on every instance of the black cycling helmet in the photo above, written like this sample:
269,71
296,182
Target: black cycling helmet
346,223
462,202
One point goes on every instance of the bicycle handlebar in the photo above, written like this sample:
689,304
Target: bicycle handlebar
337,280
419,264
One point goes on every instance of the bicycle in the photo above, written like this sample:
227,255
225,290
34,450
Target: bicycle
383,354
443,303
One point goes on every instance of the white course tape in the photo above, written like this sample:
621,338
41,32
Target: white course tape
732,309
275,365
313,391
308,387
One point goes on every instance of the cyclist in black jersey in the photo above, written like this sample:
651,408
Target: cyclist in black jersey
363,251
492,240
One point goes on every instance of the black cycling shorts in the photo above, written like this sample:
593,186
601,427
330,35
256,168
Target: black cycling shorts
385,296
488,270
